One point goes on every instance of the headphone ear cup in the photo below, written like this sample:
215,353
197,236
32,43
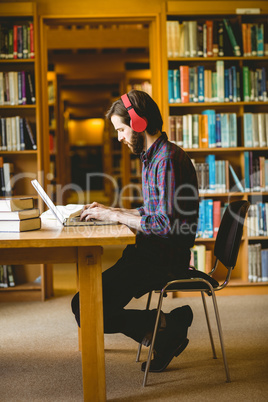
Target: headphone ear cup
137,123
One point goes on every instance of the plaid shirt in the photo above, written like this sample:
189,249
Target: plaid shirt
170,194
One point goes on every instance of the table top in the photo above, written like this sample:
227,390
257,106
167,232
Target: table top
53,234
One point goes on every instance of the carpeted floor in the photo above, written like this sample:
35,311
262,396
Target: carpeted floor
40,361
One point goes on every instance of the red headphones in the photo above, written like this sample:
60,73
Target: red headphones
137,123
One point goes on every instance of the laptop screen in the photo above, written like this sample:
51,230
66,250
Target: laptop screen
48,201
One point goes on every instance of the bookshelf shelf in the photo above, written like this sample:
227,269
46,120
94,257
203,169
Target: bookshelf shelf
183,86
18,107
17,61
224,58
229,104
26,152
223,149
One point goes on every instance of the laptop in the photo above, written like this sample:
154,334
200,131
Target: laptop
74,218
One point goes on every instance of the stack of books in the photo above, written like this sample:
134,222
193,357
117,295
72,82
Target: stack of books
19,215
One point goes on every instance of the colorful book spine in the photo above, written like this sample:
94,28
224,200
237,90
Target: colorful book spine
184,73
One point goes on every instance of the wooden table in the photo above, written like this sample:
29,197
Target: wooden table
82,245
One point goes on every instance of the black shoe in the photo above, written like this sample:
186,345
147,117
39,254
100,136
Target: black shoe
173,340
161,361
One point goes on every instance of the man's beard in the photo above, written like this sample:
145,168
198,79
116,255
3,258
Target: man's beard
137,142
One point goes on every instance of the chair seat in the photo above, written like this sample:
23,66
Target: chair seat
196,285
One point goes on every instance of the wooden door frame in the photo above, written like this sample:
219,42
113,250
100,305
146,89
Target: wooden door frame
154,21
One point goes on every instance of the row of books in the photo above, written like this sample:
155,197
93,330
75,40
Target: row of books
205,178
213,175
256,172
16,134
255,129
217,178
254,39
206,130
17,88
17,41
6,174
197,85
19,215
6,276
216,38
210,214
257,219
257,263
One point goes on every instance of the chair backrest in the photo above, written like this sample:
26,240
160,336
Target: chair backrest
230,233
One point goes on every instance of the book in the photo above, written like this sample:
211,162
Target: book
184,74
32,143
232,38
20,225
19,215
236,180
16,204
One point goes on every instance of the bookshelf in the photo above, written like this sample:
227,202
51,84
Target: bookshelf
21,62
181,60
53,133
139,79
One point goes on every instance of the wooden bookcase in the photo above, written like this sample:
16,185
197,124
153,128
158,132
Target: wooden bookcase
215,11
31,281
131,164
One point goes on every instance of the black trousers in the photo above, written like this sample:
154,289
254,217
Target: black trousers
138,271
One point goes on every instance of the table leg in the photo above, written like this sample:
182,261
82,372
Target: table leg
91,311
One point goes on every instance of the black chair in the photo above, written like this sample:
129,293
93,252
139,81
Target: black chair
226,251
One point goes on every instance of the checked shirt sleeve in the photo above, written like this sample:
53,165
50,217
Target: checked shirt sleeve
159,205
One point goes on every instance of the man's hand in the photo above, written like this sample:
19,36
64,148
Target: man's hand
98,211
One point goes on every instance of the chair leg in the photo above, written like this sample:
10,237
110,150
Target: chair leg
221,336
153,338
147,308
209,327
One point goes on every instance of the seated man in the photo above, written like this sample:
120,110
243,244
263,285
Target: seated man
166,226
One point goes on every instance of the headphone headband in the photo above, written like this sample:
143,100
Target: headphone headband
137,123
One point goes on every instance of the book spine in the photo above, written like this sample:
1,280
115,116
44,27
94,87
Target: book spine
248,129
209,25
220,80
179,134
30,134
172,130
233,129
23,88
20,42
225,131
199,40
32,50
246,90
15,41
195,143
2,179
184,73
218,130
170,86
24,42
21,130
216,217
177,86
201,83
221,39
232,38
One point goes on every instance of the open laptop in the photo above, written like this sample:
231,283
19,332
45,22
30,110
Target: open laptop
74,218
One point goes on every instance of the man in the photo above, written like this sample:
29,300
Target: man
166,227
